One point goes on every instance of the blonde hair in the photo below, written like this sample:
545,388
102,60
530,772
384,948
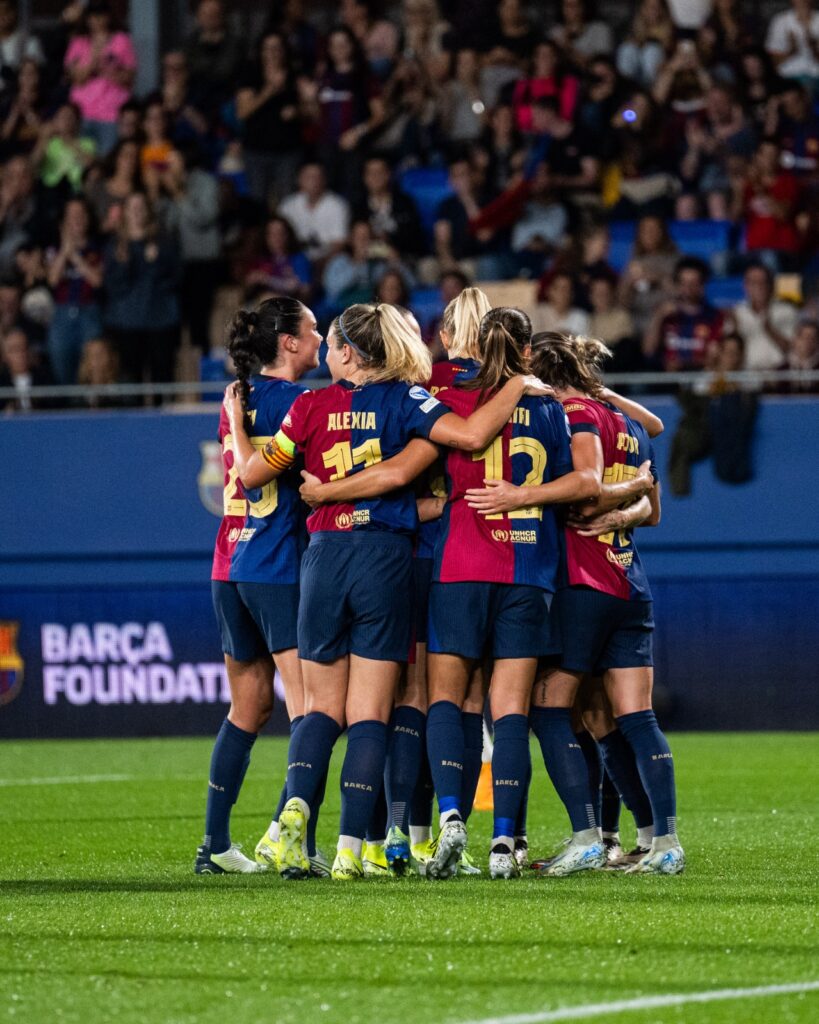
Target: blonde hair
462,321
569,361
386,344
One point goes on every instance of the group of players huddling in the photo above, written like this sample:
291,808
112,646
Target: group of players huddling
470,533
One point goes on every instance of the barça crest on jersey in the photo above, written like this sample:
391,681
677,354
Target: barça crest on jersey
211,480
11,664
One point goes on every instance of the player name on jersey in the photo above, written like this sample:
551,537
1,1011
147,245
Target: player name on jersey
350,419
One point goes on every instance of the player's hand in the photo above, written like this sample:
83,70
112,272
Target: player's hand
233,405
534,386
596,525
645,477
309,490
497,496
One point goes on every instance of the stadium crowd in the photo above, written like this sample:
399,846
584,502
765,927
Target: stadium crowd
651,183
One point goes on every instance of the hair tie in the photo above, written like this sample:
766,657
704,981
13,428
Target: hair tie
349,340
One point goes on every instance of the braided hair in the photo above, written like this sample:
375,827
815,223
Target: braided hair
253,337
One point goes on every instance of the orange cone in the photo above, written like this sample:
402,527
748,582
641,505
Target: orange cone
484,799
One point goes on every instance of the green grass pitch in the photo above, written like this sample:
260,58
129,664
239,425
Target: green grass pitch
102,919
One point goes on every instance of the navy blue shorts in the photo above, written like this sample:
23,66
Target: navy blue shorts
256,619
496,620
356,596
422,574
600,631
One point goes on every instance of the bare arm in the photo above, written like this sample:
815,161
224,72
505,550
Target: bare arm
653,424
582,484
616,519
373,481
475,433
255,468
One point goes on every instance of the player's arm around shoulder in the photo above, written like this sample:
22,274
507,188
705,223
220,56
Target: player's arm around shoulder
256,468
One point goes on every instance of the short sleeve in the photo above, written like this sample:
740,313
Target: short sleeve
581,419
292,433
123,50
422,411
777,41
561,456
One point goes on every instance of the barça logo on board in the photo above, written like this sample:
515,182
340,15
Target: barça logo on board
11,664
211,480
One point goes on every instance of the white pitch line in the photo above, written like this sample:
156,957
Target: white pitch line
73,780
649,1003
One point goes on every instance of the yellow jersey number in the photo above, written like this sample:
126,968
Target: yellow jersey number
492,458
268,500
342,457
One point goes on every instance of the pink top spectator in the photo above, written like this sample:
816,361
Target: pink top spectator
100,98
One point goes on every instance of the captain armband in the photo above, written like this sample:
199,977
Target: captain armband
279,453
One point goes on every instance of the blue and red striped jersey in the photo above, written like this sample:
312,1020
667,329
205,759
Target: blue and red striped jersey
262,536
515,547
609,563
346,427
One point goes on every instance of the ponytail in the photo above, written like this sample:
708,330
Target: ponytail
504,333
386,344
253,337
462,321
567,361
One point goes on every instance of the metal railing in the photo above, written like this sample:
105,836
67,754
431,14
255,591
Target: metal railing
194,391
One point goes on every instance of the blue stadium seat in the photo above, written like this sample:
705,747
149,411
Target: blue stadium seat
427,305
710,240
724,292
428,186
621,233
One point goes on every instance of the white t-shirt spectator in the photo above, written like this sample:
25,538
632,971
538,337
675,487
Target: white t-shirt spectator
761,351
13,52
689,13
319,227
784,30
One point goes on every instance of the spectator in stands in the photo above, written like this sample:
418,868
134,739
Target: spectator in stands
280,267
514,32
267,104
612,323
99,366
766,198
793,122
121,176
793,41
728,29
141,281
390,212
407,128
640,182
766,325
392,289
455,244
20,370
711,141
18,210
571,154
302,38
463,110
603,95
352,275
214,56
15,47
101,65
129,122
580,34
187,123
377,37
75,276
556,310
685,332
804,355
547,77
192,215
503,144
22,111
63,155
543,223
426,36
155,154
682,83
757,82
648,276
650,38
13,316
319,217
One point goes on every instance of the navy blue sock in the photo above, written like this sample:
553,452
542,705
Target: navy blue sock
445,746
565,763
523,810
511,764
362,776
294,723
655,765
609,806
621,767
406,748
315,807
594,766
421,809
377,826
311,747
473,759
228,763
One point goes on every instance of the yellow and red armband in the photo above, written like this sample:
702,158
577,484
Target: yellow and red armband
280,452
